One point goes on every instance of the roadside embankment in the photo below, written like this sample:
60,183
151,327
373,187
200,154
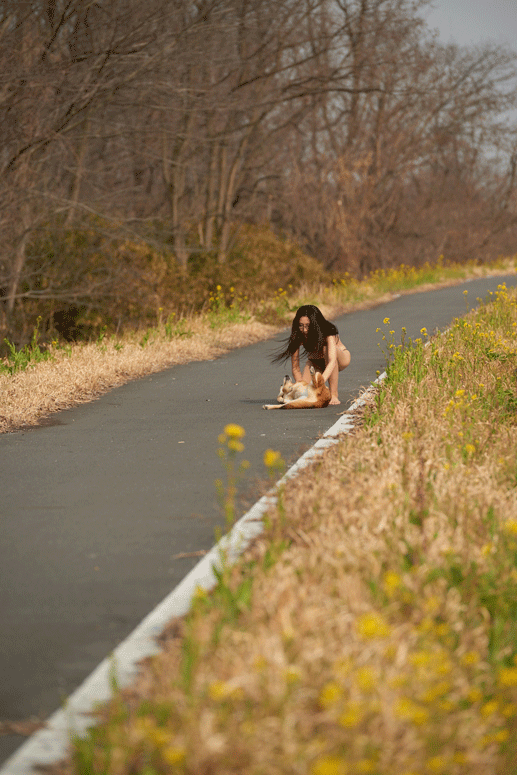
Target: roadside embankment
371,627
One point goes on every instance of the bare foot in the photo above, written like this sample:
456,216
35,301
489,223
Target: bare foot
334,401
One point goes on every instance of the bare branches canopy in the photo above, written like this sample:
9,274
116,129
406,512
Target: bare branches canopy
343,123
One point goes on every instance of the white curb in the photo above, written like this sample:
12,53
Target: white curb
50,744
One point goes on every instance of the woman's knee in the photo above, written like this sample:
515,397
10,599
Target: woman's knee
344,359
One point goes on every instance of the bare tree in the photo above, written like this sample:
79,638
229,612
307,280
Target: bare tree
398,106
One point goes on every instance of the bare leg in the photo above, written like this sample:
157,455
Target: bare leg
307,376
343,360
333,383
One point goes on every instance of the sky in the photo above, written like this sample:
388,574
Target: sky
468,22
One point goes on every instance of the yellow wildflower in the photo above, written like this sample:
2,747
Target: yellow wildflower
366,766
407,709
234,431
351,716
272,458
235,446
391,582
329,765
372,625
489,708
501,736
474,695
437,764
330,694
470,658
292,674
174,755
508,676
367,678
510,526
218,690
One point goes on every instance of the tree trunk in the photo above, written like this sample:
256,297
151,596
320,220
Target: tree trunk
19,260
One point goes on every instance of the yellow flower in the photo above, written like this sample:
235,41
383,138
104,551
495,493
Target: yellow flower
372,625
329,765
330,694
407,709
391,582
271,458
366,766
234,431
292,674
174,755
420,658
351,716
437,764
367,678
474,695
501,736
508,676
432,604
235,446
470,658
510,526
438,690
489,708
199,593
386,321
219,691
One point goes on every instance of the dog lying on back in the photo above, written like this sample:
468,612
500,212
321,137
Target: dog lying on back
302,395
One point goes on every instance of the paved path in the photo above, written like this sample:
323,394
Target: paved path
95,507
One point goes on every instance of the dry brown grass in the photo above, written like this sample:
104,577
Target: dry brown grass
371,628
92,369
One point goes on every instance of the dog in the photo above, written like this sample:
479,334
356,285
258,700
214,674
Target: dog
302,395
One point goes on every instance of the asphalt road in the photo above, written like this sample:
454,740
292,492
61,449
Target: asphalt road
95,506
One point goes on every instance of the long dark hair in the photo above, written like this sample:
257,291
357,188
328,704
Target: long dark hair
319,329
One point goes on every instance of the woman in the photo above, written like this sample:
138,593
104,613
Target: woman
321,343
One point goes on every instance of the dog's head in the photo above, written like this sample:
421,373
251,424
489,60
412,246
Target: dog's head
286,387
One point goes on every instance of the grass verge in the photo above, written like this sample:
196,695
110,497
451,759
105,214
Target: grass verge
45,377
372,627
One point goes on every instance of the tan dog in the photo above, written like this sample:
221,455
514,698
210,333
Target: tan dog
302,395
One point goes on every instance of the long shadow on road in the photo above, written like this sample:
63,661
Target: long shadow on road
96,506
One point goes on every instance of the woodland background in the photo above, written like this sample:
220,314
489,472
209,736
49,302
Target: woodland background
150,152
